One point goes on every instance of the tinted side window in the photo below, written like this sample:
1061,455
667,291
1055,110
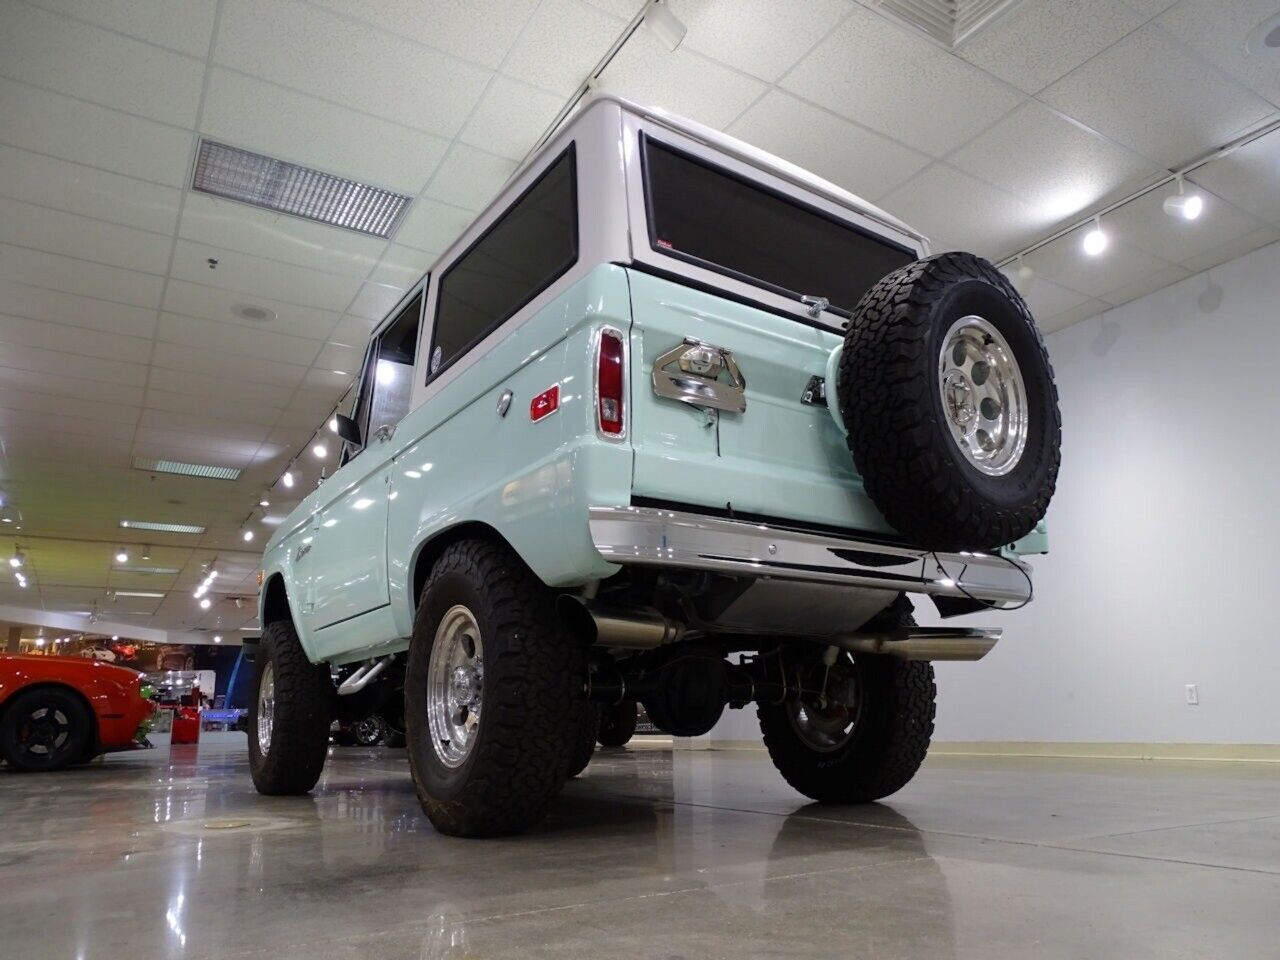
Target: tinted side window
532,244
712,218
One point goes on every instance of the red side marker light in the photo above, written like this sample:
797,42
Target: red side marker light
544,404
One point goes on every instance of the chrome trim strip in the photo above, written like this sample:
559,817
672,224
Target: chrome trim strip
653,537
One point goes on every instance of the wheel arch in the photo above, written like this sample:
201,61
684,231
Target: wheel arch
275,601
430,549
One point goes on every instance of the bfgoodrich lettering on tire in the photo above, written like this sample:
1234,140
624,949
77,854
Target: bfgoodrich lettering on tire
492,693
948,396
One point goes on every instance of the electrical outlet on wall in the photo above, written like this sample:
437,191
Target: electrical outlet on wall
1193,694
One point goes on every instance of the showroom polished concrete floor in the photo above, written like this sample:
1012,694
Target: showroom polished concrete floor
652,853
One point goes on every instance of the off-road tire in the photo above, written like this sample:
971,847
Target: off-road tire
303,712
891,403
890,739
78,745
585,748
531,695
618,723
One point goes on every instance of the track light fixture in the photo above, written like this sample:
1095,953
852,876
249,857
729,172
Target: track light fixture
1095,241
666,26
287,478
122,555
1183,205
18,558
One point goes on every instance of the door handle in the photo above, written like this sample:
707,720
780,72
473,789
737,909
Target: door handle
385,432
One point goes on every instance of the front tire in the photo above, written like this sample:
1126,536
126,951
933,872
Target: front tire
46,729
864,748
490,698
289,714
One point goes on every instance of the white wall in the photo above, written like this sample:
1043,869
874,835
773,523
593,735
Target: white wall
1165,534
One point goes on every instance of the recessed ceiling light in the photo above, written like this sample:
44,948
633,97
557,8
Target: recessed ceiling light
217,638
249,311
247,535
284,187
122,555
205,603
161,527
185,469
287,479
1264,39
320,450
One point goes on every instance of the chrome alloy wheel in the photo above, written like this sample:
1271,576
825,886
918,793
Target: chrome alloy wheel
266,708
455,686
983,396
827,714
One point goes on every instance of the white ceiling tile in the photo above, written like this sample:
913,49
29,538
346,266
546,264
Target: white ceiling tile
306,48
469,177
264,278
1044,297
54,272
374,301
184,25
760,37
53,231
1149,8
216,303
230,366
401,266
1247,177
1057,167
65,406
337,356
234,338
198,440
879,74
1064,262
563,41
963,213
75,188
1236,247
481,31
329,381
58,365
44,422
685,83
246,112
622,9
229,405
1219,31
1140,286
80,60
37,303
431,226
510,117
352,331
199,423
199,386
61,126
69,339
1040,41
1144,224
858,159
1090,308
99,391
246,229
1150,94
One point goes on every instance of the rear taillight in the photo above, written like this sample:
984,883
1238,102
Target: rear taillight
610,383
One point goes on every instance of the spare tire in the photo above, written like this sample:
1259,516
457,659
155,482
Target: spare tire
947,395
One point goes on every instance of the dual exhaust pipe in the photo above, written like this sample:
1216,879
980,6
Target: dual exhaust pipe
644,628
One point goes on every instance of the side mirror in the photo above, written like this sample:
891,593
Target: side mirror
348,430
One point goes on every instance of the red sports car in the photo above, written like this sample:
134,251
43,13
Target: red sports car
56,711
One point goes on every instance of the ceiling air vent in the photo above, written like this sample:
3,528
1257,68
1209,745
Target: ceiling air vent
161,527
950,22
236,174
185,469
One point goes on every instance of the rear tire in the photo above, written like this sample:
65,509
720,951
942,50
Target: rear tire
46,729
289,714
618,723
492,692
889,738
585,748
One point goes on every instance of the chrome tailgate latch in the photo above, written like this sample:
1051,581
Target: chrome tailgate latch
702,375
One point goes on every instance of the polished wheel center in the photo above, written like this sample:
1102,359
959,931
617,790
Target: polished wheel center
826,716
266,708
43,731
984,398
455,686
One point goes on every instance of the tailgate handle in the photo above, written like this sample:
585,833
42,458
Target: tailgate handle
691,373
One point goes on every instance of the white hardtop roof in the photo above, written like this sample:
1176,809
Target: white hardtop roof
762,159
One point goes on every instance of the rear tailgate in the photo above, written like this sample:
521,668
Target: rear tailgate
780,457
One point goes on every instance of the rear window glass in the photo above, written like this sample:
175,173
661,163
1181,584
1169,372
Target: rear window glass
533,243
710,217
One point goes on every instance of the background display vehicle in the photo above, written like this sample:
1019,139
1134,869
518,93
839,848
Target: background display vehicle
672,422
56,711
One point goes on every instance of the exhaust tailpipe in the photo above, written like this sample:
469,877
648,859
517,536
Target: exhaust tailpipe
636,628
922,643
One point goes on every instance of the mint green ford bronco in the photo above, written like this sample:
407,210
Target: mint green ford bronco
673,423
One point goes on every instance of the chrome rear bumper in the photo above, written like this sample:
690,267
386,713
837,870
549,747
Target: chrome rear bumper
666,538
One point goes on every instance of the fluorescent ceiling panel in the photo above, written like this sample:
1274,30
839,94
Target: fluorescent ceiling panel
149,594
185,469
950,22
252,178
161,527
